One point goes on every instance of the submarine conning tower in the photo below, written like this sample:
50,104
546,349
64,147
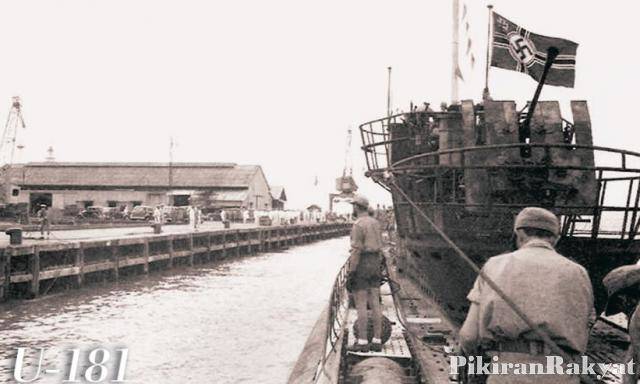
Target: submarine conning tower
471,168
475,160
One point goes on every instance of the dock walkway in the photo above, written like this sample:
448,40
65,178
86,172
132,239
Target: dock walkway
33,269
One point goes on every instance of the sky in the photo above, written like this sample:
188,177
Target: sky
278,83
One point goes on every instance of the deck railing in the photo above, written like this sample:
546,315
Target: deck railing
621,172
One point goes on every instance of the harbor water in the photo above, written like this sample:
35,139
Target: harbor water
236,321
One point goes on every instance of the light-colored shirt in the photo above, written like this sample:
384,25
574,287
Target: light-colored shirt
43,214
633,351
366,235
554,292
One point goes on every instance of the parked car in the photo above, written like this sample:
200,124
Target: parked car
93,212
141,212
113,213
173,214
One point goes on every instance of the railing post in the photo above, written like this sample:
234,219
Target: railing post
35,271
79,262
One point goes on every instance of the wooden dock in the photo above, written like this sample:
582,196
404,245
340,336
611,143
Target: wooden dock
28,271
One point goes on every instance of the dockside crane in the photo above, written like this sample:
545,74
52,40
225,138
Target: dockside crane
8,144
345,185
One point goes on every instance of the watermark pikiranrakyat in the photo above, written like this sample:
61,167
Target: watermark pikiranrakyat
553,365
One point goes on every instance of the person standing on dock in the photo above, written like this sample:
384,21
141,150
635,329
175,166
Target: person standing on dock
193,217
623,289
157,215
553,292
45,225
364,273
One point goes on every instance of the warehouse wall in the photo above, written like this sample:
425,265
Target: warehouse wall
259,188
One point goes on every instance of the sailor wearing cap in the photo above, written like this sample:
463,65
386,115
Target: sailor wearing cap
364,273
554,292
45,227
623,289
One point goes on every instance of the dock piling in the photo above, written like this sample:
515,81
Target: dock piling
170,250
35,271
79,262
24,267
145,254
115,259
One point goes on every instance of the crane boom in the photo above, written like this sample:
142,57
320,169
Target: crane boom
14,121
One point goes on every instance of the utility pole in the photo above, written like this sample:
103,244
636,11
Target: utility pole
170,162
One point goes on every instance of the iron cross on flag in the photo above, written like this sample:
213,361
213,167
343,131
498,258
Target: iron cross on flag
516,49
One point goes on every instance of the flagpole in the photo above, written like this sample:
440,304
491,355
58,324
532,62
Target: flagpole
389,92
454,59
485,94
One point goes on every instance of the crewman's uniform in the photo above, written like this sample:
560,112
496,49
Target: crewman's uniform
366,238
365,276
554,292
43,214
625,281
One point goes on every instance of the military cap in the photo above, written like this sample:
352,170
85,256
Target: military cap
540,218
360,201
616,281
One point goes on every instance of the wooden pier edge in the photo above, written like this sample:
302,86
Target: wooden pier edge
25,268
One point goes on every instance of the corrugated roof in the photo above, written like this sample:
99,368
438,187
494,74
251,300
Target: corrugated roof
185,175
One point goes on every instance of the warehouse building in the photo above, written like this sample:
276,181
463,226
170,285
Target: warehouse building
68,185
278,197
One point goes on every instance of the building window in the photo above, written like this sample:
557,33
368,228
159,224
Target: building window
112,204
88,203
15,192
181,200
136,203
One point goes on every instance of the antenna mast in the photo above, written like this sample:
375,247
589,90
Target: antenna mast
455,70
389,93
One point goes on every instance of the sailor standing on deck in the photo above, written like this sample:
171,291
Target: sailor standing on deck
364,271
554,292
623,288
